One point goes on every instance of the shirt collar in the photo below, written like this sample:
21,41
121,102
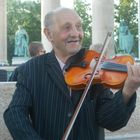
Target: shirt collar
60,63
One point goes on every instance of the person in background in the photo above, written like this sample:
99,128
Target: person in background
35,49
43,104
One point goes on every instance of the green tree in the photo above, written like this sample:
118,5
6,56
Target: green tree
27,14
127,10
83,9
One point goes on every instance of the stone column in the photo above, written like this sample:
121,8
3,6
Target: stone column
139,29
47,5
103,22
3,32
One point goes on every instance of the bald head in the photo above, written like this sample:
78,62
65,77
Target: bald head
50,16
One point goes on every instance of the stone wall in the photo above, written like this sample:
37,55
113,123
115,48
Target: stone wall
132,129
6,91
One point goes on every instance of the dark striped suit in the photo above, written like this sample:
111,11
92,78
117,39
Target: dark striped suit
42,93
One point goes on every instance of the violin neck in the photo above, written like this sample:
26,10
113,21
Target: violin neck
114,67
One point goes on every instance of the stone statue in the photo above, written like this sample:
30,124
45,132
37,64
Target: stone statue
126,39
21,42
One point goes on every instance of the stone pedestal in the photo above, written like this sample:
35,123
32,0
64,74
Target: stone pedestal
19,60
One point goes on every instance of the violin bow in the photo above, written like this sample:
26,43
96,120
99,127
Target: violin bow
79,105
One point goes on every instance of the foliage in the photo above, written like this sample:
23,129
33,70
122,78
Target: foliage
127,10
27,14
83,10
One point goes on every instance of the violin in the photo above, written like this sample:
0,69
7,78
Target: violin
111,73
89,67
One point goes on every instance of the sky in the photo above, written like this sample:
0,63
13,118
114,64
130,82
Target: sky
69,3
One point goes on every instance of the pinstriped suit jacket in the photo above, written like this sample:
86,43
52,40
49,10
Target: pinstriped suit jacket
41,107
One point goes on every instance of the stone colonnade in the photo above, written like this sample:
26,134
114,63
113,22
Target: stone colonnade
102,23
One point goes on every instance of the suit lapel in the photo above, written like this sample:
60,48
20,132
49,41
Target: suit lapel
56,74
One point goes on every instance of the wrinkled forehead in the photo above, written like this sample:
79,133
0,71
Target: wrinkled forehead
66,15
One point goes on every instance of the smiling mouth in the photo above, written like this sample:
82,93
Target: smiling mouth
73,41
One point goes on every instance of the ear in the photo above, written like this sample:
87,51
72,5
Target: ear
48,34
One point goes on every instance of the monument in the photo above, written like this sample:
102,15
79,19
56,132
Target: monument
21,54
126,39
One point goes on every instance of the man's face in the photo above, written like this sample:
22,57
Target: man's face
66,33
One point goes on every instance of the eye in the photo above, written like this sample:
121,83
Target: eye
79,27
67,27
